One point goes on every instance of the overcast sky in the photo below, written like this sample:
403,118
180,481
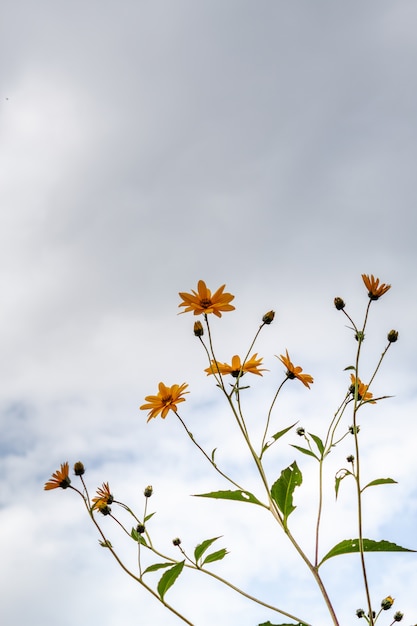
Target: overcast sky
145,145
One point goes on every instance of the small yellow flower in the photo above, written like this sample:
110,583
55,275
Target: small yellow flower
375,290
104,498
60,478
202,301
363,394
236,368
166,400
295,372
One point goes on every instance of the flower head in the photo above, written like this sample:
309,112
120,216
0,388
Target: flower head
295,372
60,478
202,301
387,603
236,368
363,394
166,400
103,498
375,290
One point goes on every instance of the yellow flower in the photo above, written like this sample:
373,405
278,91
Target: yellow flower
166,400
363,394
203,302
236,368
375,290
60,478
104,498
295,372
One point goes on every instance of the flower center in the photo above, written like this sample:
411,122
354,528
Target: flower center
205,303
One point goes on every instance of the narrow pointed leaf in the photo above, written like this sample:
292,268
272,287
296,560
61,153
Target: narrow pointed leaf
277,436
270,624
156,566
215,556
169,578
148,517
349,546
202,547
339,479
318,442
282,490
213,453
240,495
305,451
380,481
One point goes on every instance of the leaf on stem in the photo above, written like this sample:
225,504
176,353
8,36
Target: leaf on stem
349,546
156,566
169,578
282,490
270,624
240,495
380,481
215,556
275,437
318,442
305,451
202,547
338,479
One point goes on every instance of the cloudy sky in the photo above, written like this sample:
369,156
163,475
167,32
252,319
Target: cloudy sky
145,145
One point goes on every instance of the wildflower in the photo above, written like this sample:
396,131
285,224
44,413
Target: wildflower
363,394
79,469
60,478
198,329
268,318
236,368
339,304
387,603
392,336
295,372
148,491
203,302
104,498
375,290
166,400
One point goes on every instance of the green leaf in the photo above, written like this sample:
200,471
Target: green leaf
277,436
305,451
270,624
213,453
137,537
380,481
318,442
148,517
338,479
156,566
349,367
349,546
282,490
169,578
215,556
202,547
240,495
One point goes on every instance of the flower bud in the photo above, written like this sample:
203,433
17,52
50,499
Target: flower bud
79,468
148,491
104,510
176,541
387,603
398,616
140,528
350,458
354,429
339,304
300,432
360,613
392,336
268,317
198,329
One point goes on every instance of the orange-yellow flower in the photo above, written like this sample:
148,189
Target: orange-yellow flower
60,478
375,290
295,372
104,498
363,394
166,400
202,301
236,368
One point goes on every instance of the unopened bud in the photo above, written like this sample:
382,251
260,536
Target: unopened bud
148,491
198,329
350,458
176,541
360,613
339,304
392,336
300,431
268,317
79,468
387,603
140,528
398,616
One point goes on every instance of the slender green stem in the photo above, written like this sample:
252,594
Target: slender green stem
268,419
